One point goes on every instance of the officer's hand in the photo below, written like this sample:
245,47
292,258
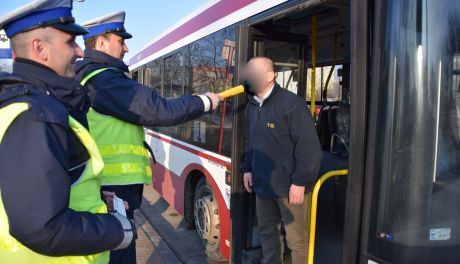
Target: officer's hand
108,199
296,194
247,179
215,98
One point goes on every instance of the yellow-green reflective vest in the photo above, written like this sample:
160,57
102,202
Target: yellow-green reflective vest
121,145
85,195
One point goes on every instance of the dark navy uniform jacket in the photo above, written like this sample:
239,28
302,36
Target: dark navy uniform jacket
113,93
37,157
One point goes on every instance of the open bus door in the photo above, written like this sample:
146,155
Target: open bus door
286,38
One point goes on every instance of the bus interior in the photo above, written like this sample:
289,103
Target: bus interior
306,44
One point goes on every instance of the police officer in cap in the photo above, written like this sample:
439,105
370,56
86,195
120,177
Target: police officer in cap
120,107
50,208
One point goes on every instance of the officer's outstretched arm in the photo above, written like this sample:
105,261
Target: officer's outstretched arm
35,187
114,94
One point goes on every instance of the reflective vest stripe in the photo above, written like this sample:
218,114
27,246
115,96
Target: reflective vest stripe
89,143
108,150
8,114
91,75
127,168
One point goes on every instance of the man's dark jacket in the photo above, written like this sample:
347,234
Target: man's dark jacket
281,144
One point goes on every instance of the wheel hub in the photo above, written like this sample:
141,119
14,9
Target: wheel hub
206,220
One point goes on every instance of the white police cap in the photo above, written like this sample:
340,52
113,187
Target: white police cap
111,23
41,13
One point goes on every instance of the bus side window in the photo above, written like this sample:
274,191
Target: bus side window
209,65
205,65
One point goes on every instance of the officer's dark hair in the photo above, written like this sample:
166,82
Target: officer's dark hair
90,43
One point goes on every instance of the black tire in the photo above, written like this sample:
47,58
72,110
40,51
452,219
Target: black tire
207,224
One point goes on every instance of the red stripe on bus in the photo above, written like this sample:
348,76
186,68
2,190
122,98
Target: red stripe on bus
220,10
191,150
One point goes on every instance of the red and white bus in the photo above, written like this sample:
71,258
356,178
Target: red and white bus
383,77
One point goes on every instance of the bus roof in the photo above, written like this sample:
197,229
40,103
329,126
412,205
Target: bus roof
209,18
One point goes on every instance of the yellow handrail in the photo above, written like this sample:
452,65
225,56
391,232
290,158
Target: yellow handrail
313,210
313,66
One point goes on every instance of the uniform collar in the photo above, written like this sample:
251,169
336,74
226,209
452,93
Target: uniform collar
66,90
94,56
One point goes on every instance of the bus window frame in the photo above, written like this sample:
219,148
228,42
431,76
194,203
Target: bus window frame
355,228
319,97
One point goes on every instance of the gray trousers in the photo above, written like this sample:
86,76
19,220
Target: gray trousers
270,213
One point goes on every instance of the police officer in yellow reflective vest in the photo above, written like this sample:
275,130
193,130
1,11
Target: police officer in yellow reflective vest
51,209
120,107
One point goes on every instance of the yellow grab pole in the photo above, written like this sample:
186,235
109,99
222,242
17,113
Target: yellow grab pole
309,210
314,209
313,65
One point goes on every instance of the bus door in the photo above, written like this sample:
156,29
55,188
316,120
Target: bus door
287,41
412,212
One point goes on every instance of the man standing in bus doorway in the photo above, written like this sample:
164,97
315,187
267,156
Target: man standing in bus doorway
51,209
282,156
120,109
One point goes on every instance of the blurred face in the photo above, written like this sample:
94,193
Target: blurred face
63,52
113,45
259,75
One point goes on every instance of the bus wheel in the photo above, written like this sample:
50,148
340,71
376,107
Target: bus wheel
206,213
